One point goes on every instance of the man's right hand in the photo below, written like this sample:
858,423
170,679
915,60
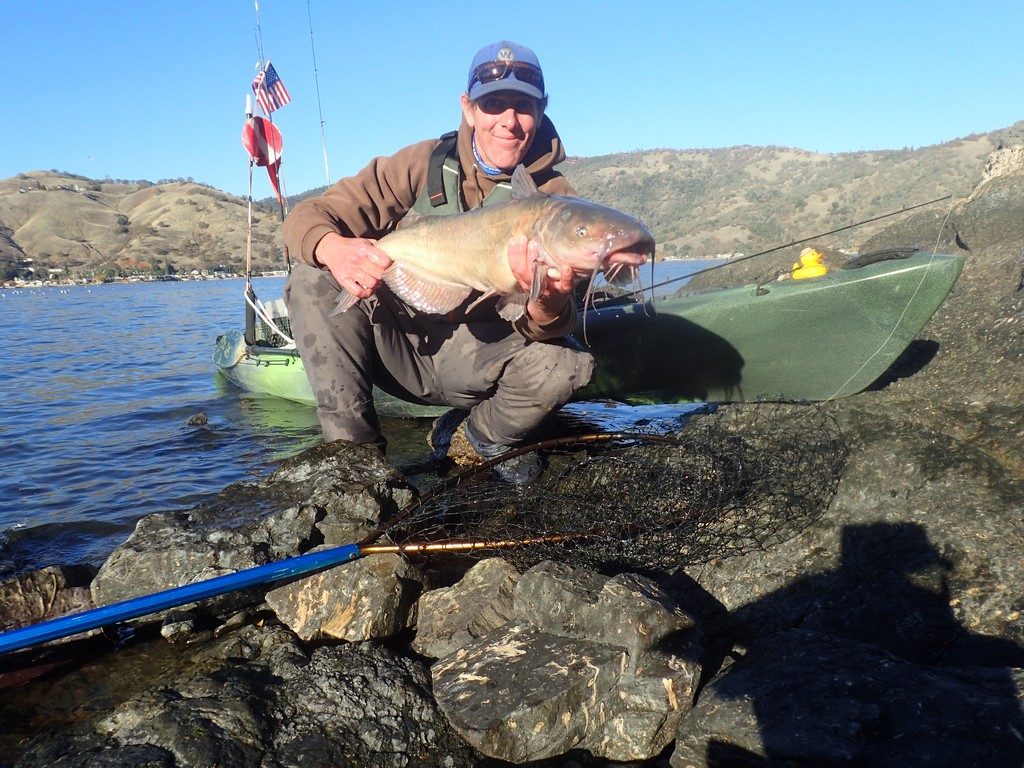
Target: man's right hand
356,263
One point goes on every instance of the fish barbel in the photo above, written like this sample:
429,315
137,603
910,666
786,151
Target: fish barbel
439,261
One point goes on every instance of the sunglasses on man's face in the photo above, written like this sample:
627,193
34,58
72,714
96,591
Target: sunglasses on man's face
491,71
496,103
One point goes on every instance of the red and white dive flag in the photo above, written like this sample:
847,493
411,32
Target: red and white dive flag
270,91
262,140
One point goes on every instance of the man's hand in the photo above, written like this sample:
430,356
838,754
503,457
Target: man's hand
556,284
357,264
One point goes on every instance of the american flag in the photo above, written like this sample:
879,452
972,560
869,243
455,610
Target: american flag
270,91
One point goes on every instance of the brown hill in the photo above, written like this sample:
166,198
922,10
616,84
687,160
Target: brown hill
90,228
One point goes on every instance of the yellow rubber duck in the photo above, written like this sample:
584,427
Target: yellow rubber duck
810,265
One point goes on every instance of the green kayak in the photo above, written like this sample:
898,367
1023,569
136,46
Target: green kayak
813,339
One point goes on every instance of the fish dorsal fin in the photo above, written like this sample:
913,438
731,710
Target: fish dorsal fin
424,294
523,184
411,217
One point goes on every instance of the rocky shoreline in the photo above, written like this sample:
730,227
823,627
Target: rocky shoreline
886,629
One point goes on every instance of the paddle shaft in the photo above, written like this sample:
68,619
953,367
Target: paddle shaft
94,618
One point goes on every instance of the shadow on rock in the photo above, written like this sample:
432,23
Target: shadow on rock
874,670
912,361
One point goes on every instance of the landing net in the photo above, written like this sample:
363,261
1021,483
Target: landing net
732,481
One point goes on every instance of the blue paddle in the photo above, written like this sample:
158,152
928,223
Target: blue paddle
133,608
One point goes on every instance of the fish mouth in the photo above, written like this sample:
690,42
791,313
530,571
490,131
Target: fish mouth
623,242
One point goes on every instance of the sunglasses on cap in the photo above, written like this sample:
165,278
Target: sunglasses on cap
491,71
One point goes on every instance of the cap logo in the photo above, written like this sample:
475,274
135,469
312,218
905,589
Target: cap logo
505,54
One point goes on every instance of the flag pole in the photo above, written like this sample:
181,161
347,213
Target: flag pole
250,293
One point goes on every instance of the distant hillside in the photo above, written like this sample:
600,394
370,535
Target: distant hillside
745,199
698,202
92,228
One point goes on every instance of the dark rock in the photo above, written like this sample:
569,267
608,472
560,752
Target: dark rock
452,617
333,494
65,752
921,553
361,705
255,698
178,627
370,598
802,698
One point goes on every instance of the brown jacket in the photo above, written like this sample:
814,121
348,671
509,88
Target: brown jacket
370,203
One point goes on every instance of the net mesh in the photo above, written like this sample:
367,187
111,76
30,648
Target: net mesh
732,481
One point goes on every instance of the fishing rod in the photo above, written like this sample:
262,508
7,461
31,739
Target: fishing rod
316,80
731,262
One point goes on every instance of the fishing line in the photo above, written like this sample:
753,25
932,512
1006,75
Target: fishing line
732,262
320,109
906,308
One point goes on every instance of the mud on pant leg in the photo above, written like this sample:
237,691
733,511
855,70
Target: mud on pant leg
337,353
534,379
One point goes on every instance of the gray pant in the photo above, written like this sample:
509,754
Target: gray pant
509,384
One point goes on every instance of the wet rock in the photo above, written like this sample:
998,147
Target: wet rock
369,598
452,617
362,705
335,493
256,698
178,627
44,594
65,752
803,698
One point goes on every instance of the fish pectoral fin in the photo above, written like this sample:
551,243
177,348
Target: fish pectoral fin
512,307
346,300
424,294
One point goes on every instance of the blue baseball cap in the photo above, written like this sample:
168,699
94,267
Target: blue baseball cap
505,66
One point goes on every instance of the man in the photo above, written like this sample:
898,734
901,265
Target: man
508,376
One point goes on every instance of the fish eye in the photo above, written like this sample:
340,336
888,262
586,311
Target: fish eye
581,231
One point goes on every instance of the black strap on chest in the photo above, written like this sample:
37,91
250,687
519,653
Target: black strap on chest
435,173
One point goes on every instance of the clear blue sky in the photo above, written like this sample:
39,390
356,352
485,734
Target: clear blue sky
151,89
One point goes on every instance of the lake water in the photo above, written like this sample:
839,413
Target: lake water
99,385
